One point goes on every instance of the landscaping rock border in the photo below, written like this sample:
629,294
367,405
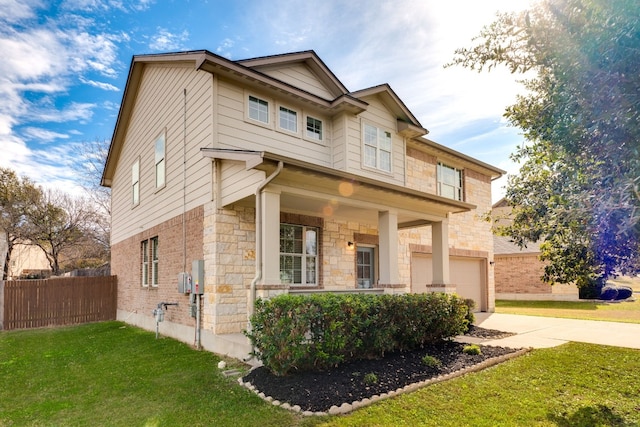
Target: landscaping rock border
348,407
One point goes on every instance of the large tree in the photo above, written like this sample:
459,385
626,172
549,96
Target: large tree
59,223
18,195
578,189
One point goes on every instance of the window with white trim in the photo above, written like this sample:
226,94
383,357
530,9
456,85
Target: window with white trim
450,182
144,254
160,160
154,261
314,128
298,254
258,109
365,267
288,119
377,148
135,182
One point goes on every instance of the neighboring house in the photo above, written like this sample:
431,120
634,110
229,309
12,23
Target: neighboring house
518,271
281,181
26,260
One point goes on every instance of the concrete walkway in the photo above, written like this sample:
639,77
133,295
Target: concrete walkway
543,332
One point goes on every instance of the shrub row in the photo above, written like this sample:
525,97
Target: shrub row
298,333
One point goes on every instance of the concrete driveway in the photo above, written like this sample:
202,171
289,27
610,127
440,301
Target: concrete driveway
542,332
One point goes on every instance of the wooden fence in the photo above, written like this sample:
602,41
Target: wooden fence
57,301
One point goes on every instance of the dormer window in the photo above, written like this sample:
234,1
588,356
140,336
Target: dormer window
377,148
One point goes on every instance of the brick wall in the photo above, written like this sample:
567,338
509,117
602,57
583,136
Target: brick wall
126,263
519,274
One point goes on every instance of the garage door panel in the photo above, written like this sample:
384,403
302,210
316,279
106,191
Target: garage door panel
468,274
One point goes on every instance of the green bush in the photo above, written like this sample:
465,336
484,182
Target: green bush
431,362
472,349
317,332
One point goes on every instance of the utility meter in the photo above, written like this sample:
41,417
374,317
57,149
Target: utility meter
197,277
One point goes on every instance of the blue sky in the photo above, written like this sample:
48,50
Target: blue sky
64,65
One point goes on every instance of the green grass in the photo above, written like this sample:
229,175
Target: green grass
112,374
572,385
109,374
625,311
628,312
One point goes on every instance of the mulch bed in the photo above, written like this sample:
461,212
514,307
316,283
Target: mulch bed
319,391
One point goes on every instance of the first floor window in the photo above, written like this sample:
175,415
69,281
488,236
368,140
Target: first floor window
258,109
149,264
450,182
154,261
365,267
377,148
314,128
144,253
298,254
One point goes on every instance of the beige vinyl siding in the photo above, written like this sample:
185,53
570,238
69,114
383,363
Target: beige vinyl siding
300,76
339,141
376,115
234,132
160,106
236,182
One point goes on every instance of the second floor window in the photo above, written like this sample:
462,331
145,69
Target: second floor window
288,120
377,148
314,128
450,182
258,109
160,161
135,183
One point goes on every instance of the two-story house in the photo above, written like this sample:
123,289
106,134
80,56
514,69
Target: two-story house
281,180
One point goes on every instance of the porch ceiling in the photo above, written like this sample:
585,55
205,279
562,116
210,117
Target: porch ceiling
327,192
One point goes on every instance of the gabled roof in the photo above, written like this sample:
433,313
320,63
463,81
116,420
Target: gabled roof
393,102
307,57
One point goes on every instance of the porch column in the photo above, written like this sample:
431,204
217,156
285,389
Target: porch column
388,247
270,237
440,244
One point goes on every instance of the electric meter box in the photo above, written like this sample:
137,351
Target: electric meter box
197,276
184,283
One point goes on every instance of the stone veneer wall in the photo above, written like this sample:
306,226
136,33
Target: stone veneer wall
467,230
126,263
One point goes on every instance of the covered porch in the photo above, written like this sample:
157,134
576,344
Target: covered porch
283,189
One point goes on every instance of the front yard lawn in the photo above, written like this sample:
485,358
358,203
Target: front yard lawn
621,311
112,374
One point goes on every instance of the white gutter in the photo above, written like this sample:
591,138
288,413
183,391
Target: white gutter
258,276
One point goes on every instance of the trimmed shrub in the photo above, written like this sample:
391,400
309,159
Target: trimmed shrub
472,349
298,333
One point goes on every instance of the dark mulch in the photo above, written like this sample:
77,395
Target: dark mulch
319,391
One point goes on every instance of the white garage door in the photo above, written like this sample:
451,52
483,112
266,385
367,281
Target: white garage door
468,274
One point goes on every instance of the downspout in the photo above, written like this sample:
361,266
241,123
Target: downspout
258,275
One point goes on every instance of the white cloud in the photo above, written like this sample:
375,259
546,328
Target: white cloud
100,85
74,111
16,10
164,40
43,135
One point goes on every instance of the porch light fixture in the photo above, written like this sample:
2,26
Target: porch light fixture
350,245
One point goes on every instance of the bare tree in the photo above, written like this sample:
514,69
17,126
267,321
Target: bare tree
92,156
59,222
